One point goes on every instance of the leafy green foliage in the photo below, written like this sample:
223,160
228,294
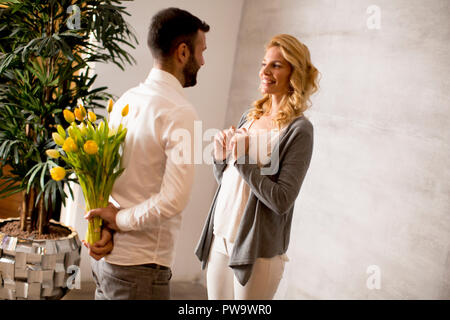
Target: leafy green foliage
44,69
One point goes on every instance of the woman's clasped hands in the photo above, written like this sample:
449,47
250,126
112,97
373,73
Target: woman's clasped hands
232,143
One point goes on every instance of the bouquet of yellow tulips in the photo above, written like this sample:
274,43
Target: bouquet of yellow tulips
93,152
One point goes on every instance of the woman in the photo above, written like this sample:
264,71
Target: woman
248,227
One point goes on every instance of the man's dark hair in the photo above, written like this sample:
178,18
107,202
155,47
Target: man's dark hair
169,28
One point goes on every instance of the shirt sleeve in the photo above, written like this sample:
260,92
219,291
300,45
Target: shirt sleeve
178,139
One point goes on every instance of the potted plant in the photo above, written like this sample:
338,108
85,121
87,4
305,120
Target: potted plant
46,49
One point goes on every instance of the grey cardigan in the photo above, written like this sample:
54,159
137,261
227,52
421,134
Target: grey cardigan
264,231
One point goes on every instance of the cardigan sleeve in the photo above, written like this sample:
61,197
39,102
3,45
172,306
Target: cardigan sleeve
280,195
218,168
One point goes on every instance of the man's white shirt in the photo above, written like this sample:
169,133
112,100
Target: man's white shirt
154,189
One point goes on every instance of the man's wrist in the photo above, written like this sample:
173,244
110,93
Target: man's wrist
123,220
112,231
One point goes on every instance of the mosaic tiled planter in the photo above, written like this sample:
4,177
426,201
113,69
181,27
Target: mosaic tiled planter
37,269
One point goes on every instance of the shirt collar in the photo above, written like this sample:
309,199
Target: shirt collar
164,76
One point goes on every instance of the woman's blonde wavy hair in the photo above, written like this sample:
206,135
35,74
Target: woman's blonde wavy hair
303,82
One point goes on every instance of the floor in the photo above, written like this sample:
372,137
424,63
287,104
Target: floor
179,291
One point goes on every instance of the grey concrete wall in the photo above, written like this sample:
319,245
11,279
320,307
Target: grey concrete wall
377,194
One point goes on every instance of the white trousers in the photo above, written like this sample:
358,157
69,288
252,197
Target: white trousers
223,285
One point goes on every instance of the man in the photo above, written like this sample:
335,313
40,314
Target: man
154,188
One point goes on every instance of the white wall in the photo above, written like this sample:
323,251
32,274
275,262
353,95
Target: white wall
378,187
209,96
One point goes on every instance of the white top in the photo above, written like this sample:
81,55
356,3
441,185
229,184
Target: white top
234,191
153,190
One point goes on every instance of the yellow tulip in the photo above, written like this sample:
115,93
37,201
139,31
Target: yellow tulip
61,131
58,173
110,105
83,129
112,131
79,114
52,153
69,145
71,132
58,139
101,127
125,110
90,147
91,116
83,110
69,116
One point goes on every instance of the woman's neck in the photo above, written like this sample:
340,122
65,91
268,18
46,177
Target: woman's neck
275,104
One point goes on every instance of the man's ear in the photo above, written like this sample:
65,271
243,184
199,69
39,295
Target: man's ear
182,53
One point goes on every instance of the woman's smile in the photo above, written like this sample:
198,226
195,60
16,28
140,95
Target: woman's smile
275,73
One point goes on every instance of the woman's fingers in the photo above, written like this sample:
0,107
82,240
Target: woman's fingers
230,132
220,137
223,142
240,143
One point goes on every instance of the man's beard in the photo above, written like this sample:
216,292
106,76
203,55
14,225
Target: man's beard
190,72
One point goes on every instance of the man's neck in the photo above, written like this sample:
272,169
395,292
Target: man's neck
167,68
